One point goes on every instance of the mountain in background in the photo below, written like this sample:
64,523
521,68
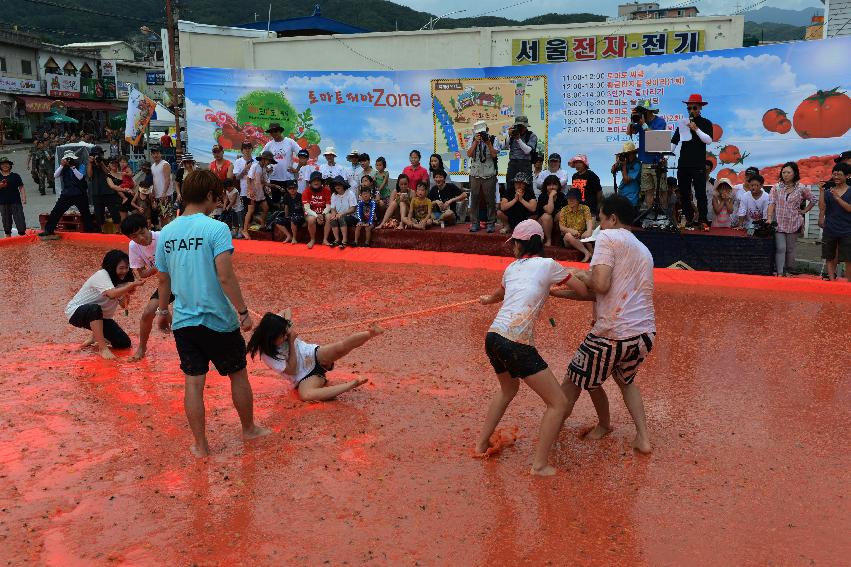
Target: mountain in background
774,32
118,23
767,14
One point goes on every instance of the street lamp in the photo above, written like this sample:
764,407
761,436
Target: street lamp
432,21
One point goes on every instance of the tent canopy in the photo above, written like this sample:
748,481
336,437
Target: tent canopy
162,118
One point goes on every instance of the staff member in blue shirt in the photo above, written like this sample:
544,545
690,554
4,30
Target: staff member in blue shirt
645,116
193,257
629,167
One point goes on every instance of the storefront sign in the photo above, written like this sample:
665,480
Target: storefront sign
591,48
62,85
108,68
123,89
154,77
91,88
109,88
23,86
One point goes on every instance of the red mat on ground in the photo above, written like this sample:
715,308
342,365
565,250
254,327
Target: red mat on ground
95,465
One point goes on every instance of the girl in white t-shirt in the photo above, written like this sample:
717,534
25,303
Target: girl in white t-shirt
509,344
304,364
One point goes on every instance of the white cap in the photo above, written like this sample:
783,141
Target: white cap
330,150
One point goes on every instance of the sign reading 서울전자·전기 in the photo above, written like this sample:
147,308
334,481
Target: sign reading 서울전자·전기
591,48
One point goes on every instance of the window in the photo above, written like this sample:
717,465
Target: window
3,64
50,66
26,67
70,69
86,71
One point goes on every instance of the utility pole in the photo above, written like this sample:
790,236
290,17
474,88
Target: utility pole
174,100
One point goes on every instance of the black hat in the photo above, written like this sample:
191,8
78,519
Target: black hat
269,156
339,180
290,183
843,156
316,175
555,157
303,153
274,126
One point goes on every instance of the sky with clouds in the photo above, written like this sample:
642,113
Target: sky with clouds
604,7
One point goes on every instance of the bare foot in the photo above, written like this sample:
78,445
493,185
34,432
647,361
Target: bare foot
597,433
293,241
255,431
358,382
90,342
326,243
199,452
139,354
375,330
106,354
586,258
548,243
245,235
286,241
547,470
310,244
642,445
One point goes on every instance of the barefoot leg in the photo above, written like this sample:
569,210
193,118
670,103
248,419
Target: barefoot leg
545,385
601,404
329,354
145,326
193,406
89,342
243,401
313,389
100,341
635,405
508,387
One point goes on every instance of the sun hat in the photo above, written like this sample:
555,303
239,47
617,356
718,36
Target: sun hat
593,236
330,151
521,119
339,180
527,229
274,127
4,159
69,154
480,126
353,153
695,99
187,157
269,156
578,157
523,177
628,147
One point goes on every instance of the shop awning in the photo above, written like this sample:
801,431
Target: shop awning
42,104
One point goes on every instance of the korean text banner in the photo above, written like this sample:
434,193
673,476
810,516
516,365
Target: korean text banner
769,104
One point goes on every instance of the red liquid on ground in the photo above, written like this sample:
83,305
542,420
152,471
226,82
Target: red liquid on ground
747,394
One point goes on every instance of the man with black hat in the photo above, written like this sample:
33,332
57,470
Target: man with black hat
104,198
13,197
522,146
693,135
282,149
644,117
73,194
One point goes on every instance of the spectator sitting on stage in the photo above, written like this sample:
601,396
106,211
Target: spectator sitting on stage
366,167
293,208
382,181
419,215
575,222
550,202
630,169
365,215
553,168
317,202
435,164
587,182
723,208
754,205
518,202
444,198
710,192
787,205
400,198
835,219
537,170
343,205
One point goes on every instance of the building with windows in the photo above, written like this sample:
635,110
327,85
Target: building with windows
837,20
663,13
19,73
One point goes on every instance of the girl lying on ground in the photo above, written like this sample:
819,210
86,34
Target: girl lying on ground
97,301
304,364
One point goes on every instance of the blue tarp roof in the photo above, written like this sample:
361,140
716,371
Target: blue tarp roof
307,23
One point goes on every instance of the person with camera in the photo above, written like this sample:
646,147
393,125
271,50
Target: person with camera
522,146
693,135
644,117
482,151
103,196
628,165
73,194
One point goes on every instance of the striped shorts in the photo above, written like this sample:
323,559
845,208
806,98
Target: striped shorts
598,358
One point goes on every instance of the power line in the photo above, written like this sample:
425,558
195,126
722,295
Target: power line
90,11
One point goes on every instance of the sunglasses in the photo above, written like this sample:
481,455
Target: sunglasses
693,107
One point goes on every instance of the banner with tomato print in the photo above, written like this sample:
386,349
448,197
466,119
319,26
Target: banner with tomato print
769,104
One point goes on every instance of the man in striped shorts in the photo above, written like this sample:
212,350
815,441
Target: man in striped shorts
621,285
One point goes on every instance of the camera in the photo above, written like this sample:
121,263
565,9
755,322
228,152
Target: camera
635,118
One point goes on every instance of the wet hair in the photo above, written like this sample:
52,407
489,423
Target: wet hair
757,177
532,247
268,330
132,223
796,173
419,155
198,184
437,172
619,206
551,179
439,163
110,264
842,167
380,159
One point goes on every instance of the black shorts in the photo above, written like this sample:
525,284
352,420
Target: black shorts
836,247
347,220
156,295
197,346
318,369
84,315
519,360
598,358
